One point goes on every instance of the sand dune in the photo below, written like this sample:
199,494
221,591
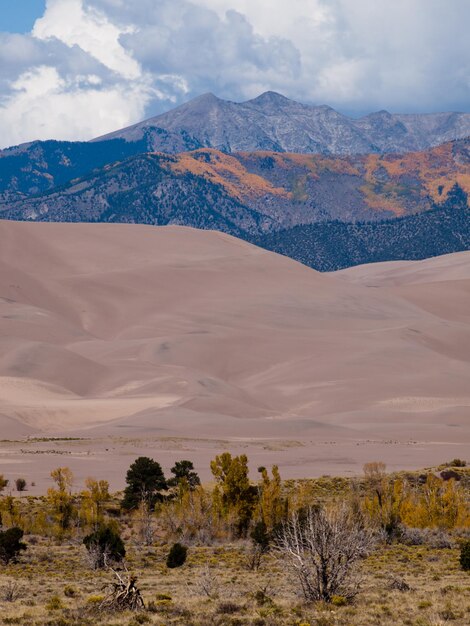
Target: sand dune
174,332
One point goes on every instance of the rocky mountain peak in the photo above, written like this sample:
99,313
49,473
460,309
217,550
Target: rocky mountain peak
271,98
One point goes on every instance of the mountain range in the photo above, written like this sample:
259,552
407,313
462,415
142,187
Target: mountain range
276,123
301,180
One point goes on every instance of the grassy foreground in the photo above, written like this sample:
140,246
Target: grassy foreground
52,585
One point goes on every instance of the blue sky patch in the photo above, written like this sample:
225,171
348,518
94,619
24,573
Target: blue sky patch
18,16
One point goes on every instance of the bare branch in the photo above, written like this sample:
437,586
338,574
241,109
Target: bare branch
321,548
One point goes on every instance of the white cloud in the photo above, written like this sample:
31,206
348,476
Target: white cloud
73,24
72,79
94,65
42,105
365,54
219,53
271,17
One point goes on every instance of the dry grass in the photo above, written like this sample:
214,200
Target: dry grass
54,587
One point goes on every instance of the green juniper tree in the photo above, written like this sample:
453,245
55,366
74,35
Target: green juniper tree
145,479
183,473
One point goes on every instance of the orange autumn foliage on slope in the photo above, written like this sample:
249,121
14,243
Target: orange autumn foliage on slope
437,171
225,170
393,184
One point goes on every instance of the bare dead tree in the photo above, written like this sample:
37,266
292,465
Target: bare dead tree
207,583
254,557
321,548
146,521
95,557
123,594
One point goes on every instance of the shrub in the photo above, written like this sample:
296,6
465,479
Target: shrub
447,614
11,592
11,544
105,544
432,537
338,601
261,597
228,608
20,484
465,556
260,543
54,604
177,555
450,474
260,536
164,596
95,600
70,592
457,463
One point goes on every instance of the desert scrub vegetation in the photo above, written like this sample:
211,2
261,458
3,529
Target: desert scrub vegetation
379,549
214,586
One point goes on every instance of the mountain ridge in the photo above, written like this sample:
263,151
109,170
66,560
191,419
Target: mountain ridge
283,189
271,121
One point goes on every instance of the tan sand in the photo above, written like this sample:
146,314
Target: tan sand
134,337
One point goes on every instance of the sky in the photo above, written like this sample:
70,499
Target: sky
19,16
76,69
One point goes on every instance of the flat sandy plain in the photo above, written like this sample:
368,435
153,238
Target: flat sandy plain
177,343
